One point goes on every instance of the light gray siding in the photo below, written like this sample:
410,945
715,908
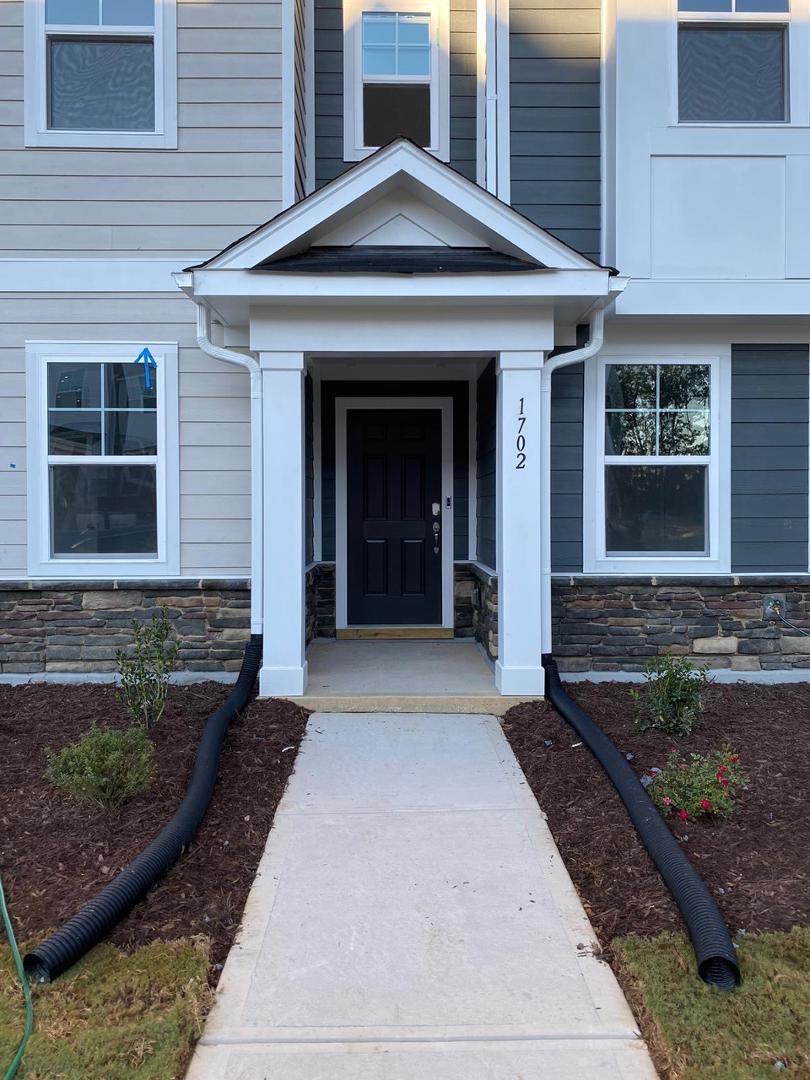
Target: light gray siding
222,181
554,106
566,469
329,161
214,405
769,458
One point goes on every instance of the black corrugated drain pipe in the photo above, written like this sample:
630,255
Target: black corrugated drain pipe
98,917
714,950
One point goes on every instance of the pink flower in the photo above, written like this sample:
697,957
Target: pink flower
706,804
667,801
683,815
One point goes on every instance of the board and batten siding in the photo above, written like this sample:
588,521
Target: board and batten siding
554,52
223,180
214,410
769,458
329,162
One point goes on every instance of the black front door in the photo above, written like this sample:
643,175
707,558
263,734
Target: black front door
393,484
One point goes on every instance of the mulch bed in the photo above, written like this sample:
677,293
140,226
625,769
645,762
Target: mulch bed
54,855
756,864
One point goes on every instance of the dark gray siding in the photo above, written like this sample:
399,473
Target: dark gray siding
309,472
769,458
566,469
459,391
486,440
329,161
554,104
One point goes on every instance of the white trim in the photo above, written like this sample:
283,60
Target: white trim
40,562
354,148
89,275
481,93
37,132
342,406
718,560
503,126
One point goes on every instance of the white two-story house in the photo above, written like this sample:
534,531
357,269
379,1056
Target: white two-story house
405,317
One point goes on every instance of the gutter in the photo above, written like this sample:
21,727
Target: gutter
230,356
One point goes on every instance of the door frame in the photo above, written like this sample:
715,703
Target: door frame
342,406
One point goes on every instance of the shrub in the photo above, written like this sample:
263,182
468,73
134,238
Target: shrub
702,785
671,700
104,768
145,674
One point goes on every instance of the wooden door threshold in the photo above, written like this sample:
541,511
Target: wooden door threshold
395,633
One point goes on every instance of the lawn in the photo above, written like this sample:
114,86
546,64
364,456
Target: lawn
755,864
55,855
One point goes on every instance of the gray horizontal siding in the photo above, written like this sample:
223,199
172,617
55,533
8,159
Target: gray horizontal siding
486,469
769,458
566,469
329,162
554,109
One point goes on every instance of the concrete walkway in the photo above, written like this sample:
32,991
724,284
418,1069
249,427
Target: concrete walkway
412,920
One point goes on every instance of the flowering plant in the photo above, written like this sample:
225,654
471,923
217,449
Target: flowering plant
700,785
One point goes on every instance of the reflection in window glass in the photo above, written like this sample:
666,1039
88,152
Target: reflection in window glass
657,410
103,510
657,509
100,12
396,44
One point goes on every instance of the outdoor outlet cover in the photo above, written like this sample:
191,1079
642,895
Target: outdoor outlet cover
773,607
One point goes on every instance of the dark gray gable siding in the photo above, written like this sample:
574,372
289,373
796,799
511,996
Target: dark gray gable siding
459,391
486,440
769,458
566,469
329,161
554,106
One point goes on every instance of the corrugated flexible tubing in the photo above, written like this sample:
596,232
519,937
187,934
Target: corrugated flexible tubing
716,957
98,917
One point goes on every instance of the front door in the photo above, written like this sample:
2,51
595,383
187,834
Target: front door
393,504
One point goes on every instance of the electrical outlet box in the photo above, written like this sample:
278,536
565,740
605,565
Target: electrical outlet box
774,607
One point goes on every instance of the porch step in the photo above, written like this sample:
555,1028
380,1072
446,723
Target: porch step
495,704
395,633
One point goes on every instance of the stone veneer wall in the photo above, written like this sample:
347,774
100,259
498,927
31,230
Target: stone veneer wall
78,627
616,624
485,610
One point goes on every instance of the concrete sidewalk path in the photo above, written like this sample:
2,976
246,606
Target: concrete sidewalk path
412,920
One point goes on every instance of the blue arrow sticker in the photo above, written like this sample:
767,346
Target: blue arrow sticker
149,364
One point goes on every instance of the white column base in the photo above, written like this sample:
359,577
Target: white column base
520,681
283,682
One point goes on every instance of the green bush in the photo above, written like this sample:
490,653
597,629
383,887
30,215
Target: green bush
104,768
145,674
671,701
702,785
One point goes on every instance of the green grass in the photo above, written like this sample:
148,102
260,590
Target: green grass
695,1031
114,1015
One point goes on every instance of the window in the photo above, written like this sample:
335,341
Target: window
733,61
103,468
100,73
396,76
656,464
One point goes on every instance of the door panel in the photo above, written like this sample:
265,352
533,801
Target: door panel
394,475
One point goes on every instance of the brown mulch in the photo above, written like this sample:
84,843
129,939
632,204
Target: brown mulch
54,855
757,864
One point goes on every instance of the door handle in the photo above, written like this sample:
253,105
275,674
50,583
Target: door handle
436,531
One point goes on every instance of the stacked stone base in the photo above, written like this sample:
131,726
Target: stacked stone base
617,624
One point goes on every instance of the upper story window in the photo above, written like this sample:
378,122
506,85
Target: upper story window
396,75
103,459
100,73
733,61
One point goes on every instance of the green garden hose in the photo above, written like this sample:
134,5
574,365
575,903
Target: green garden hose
29,1005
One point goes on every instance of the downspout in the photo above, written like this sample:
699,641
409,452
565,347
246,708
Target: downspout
230,356
596,338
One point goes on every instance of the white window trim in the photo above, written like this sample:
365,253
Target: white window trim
796,60
35,88
718,560
439,11
41,563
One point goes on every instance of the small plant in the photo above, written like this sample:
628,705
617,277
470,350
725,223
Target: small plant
671,701
145,674
701,785
104,768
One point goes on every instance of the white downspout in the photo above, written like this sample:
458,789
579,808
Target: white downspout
230,356
596,338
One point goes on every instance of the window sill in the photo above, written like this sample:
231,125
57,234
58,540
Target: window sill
101,140
119,569
655,566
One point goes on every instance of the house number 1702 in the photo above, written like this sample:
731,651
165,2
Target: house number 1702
520,441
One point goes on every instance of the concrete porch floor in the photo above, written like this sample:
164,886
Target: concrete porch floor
401,676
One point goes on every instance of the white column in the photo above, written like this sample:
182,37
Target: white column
520,645
284,668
